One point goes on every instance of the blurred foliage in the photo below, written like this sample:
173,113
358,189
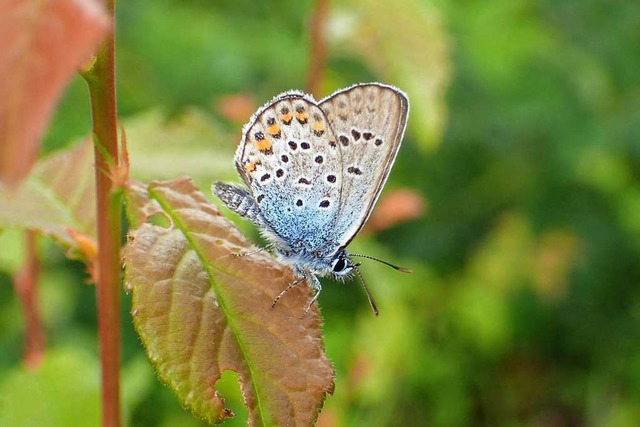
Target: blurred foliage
524,305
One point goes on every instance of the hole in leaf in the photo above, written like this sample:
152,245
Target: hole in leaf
229,386
161,219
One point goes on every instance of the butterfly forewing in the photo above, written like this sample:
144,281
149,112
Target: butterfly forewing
288,159
368,122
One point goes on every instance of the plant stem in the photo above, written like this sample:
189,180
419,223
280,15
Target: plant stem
101,82
26,286
318,51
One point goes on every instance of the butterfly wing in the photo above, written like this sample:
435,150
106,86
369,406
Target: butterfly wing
285,159
368,122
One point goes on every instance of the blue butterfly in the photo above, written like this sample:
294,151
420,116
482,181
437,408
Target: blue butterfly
314,171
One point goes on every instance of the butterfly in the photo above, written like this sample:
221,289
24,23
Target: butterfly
313,172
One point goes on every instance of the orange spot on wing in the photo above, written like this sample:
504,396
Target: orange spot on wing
263,145
250,167
317,126
274,129
302,116
287,117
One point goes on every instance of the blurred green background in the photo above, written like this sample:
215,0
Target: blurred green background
523,144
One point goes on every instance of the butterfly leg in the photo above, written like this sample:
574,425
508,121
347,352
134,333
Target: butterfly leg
238,200
310,278
247,253
287,289
316,285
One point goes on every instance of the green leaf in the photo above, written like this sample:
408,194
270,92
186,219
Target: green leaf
200,310
405,42
57,199
159,147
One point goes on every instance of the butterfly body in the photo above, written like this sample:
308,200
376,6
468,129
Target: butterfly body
314,171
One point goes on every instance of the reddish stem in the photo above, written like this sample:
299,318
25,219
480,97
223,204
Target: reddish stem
101,82
318,51
25,283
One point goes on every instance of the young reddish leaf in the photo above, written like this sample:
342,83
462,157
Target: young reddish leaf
237,107
42,44
395,207
200,310
57,199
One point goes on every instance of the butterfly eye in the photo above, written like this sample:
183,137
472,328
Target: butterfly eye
339,265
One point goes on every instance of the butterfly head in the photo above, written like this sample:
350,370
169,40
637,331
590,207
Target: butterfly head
337,265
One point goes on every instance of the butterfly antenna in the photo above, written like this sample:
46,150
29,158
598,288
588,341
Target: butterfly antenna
372,302
395,267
